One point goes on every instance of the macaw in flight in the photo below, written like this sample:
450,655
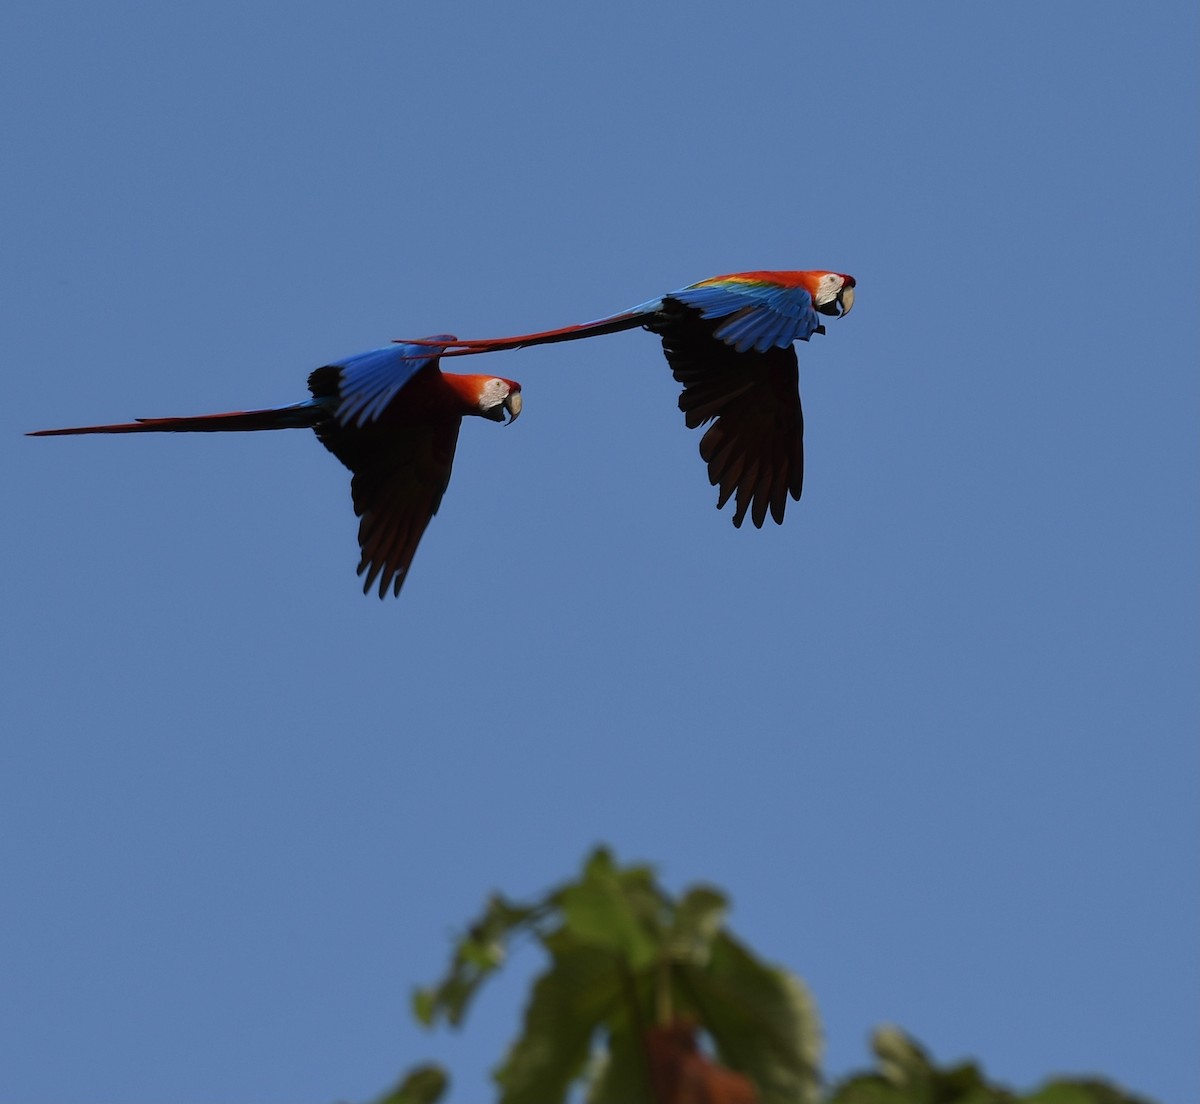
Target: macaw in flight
729,340
392,417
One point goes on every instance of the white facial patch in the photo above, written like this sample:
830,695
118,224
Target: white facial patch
495,391
828,288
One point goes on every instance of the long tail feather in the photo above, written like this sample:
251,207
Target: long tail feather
299,416
627,320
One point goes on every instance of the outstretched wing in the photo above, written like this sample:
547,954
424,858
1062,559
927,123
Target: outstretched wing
755,447
396,490
365,384
400,449
755,313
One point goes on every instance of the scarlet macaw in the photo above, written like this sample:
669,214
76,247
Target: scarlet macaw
729,340
392,417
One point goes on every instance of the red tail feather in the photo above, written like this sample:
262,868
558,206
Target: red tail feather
287,417
615,324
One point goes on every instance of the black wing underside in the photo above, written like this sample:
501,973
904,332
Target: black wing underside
400,476
754,448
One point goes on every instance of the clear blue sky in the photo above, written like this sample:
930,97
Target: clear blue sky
937,735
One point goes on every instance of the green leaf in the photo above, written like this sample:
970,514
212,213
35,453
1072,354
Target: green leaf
621,1076
699,918
1087,1091
871,1088
480,952
569,1002
598,912
902,1060
762,1019
907,1075
876,1089
964,1085
906,1064
907,1071
601,864
423,1085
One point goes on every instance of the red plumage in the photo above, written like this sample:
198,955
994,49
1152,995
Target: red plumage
392,417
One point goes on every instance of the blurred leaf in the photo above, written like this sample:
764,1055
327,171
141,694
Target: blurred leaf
423,1085
876,1089
762,1019
620,1075
601,864
482,950
602,912
1087,1091
902,1060
699,917
569,1002
871,1088
907,1075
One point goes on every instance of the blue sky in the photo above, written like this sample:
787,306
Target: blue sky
936,734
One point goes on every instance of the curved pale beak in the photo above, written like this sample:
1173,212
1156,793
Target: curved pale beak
846,300
513,405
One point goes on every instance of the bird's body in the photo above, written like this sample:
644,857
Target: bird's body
729,342
392,417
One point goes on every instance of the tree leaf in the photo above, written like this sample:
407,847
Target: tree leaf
621,1075
906,1067
907,1075
1086,1091
423,1085
902,1060
761,1018
481,951
569,1002
598,912
699,918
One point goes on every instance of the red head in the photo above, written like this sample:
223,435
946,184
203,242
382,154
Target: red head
832,292
487,396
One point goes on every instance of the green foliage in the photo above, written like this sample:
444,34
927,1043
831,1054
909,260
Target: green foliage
618,1075
422,1085
1087,1091
907,1076
569,1003
763,1020
625,960
623,956
479,952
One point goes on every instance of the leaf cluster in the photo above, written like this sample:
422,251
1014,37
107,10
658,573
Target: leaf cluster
906,1075
636,978
624,957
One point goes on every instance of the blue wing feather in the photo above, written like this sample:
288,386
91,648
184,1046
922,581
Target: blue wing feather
762,317
370,381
